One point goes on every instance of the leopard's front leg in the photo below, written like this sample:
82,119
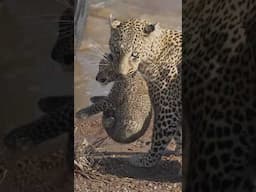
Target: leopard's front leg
165,129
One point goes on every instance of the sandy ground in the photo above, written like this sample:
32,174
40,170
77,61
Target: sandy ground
107,168
101,165
41,169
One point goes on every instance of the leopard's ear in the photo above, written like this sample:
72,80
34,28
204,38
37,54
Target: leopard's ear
151,27
114,23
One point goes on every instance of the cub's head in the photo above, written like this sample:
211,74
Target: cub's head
106,73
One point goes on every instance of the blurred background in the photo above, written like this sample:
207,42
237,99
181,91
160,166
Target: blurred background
29,30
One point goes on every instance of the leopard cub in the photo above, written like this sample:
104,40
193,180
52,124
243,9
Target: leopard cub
126,110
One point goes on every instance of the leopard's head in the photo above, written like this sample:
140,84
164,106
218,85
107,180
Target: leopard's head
132,42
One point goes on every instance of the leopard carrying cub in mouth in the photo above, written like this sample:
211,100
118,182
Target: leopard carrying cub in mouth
138,45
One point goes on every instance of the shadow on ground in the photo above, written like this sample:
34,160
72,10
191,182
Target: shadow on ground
165,171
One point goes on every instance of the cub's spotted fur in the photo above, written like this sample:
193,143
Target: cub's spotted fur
126,110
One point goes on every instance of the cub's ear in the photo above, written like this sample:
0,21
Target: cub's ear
114,23
150,28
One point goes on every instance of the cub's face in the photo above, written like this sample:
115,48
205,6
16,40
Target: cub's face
106,72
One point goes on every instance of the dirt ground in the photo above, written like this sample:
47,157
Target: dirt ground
41,169
101,164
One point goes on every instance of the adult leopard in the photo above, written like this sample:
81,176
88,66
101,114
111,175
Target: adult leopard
139,45
219,102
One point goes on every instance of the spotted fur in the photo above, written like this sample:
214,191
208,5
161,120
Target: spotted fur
139,45
55,122
219,95
126,110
